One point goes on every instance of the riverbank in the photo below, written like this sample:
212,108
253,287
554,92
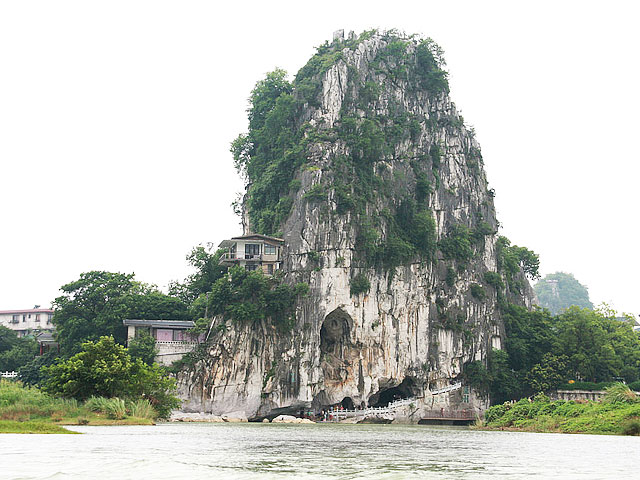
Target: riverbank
29,410
545,416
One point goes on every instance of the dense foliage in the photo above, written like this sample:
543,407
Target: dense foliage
104,368
251,297
558,291
206,262
617,414
541,352
15,352
96,303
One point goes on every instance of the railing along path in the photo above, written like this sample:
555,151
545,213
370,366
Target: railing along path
8,374
393,406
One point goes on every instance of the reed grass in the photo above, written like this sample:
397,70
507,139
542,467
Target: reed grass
31,408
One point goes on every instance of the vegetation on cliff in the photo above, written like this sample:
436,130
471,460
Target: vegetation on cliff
280,143
618,413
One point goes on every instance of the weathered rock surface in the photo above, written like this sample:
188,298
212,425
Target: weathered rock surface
393,340
290,419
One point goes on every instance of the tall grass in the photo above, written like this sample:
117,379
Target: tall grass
22,404
142,408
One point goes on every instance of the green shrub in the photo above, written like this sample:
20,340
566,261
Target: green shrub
494,279
451,276
477,291
457,245
631,427
359,284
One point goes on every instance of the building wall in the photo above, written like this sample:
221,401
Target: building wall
27,320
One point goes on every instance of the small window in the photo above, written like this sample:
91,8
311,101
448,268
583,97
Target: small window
24,318
37,317
269,249
251,267
270,269
49,317
251,250
15,318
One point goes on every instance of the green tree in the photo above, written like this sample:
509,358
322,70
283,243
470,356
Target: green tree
104,368
206,262
96,303
558,291
547,374
599,348
144,348
14,351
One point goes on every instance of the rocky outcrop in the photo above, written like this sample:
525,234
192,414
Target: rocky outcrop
412,330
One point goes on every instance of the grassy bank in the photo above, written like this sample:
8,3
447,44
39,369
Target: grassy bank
10,426
28,410
617,415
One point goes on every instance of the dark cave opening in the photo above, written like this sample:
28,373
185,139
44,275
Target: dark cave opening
335,331
406,389
347,403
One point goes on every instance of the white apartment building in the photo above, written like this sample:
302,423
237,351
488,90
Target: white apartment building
28,321
253,252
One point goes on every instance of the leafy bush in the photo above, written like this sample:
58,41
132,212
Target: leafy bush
631,427
359,284
457,245
104,368
477,291
250,297
494,279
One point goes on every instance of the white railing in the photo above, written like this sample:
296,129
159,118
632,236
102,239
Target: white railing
240,256
371,411
8,374
448,388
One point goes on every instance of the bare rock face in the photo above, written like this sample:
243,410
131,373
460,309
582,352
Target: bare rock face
382,107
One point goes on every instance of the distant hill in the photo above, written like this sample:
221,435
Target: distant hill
560,290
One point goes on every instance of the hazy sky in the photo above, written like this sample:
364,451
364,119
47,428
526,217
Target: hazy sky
116,119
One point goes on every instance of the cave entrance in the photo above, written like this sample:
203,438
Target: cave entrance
347,403
334,332
384,397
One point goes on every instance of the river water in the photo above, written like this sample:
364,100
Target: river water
252,451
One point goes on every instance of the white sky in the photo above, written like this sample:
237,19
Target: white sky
116,119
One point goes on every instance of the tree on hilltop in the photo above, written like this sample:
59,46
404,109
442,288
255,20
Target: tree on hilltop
559,291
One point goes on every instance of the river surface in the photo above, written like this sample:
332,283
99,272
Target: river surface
252,451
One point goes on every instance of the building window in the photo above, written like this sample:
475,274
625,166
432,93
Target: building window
37,317
15,318
251,250
24,318
178,336
49,317
269,249
465,394
250,268
270,269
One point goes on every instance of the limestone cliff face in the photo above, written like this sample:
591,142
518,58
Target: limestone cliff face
411,332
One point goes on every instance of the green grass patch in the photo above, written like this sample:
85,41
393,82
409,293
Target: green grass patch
33,408
34,426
